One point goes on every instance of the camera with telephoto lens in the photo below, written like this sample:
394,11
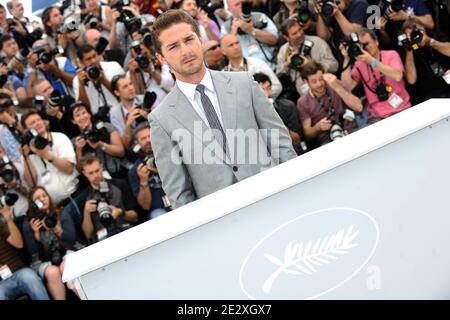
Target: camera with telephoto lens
32,138
147,159
147,37
141,59
97,133
303,12
131,22
6,198
210,6
336,131
21,55
90,20
246,16
149,100
298,59
104,211
353,46
328,6
7,169
49,220
39,104
390,6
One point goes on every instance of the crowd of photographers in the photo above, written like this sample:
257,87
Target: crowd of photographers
77,85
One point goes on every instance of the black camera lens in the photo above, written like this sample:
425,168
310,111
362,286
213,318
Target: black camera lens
416,36
45,57
39,142
93,72
297,61
50,221
246,14
327,8
142,61
7,174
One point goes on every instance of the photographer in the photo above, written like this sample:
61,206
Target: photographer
257,33
64,31
132,109
92,83
208,28
143,176
17,279
305,49
103,214
427,70
99,138
323,111
147,74
94,38
44,64
98,17
47,237
232,49
381,73
53,160
300,10
18,25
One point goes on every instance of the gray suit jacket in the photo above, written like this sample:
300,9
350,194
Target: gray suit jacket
180,139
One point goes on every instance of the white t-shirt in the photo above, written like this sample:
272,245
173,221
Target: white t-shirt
110,69
58,184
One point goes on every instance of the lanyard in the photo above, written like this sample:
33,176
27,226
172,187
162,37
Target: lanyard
330,108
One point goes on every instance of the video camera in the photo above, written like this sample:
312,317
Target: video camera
390,6
353,46
298,59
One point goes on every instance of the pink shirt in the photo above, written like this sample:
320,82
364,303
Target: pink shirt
382,109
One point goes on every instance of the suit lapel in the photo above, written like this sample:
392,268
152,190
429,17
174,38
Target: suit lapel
226,95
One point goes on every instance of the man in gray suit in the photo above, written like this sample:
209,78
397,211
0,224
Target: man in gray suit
214,128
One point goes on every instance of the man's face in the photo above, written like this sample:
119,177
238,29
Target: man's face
10,48
267,88
143,139
370,45
44,89
182,50
94,173
35,122
55,18
81,118
295,35
213,56
90,58
92,37
125,89
235,7
2,14
231,47
190,6
17,9
317,84
92,4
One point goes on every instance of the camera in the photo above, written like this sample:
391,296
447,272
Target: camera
103,209
6,198
328,7
93,71
70,23
131,22
297,59
336,131
39,104
31,137
49,220
142,60
46,57
353,46
11,22
97,133
210,6
246,13
21,55
303,13
119,4
91,20
7,169
382,92
147,37
147,159
389,6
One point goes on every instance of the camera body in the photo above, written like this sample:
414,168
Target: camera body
246,16
93,71
7,169
147,159
32,138
383,92
103,209
131,22
97,133
6,198
91,20
390,6
211,6
328,6
303,12
353,46
298,59
49,220
141,59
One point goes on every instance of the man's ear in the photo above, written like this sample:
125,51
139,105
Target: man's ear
161,59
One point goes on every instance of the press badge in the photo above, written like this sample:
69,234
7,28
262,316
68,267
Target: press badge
102,234
252,48
5,272
446,77
395,101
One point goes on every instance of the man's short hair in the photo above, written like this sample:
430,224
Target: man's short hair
141,126
410,24
85,48
286,25
89,159
371,33
115,81
28,114
310,69
167,20
261,78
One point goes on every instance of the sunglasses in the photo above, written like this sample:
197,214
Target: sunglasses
214,47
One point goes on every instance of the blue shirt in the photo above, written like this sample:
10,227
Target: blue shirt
154,182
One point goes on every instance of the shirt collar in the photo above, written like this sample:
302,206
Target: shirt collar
189,89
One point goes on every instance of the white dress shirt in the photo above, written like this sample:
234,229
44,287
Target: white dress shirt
194,97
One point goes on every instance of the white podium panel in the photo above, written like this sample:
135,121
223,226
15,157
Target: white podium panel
364,217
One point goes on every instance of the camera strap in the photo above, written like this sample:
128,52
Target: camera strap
379,82
329,108
99,88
